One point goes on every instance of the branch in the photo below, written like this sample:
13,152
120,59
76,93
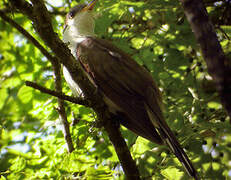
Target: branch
76,100
42,24
122,151
61,108
218,64
28,36
40,16
56,66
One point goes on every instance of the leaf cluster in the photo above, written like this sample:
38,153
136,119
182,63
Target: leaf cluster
156,34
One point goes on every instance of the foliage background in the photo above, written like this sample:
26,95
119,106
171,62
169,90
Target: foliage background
158,36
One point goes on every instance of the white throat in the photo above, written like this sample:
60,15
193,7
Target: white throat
78,28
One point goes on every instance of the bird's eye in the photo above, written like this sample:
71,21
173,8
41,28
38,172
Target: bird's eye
71,15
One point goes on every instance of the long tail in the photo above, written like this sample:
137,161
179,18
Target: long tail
169,138
176,148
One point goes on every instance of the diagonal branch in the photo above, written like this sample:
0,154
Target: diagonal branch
61,108
218,64
28,36
57,93
42,24
39,14
76,100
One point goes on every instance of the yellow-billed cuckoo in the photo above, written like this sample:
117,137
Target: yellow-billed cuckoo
128,89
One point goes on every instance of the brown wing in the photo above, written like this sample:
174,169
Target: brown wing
123,81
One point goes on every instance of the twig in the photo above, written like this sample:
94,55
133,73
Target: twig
57,93
76,100
224,33
28,36
61,108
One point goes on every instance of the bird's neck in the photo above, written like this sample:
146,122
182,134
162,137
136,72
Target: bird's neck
74,35
82,30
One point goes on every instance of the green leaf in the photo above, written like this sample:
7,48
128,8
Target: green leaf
172,174
25,94
18,164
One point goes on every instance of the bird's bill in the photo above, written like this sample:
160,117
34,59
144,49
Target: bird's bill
90,6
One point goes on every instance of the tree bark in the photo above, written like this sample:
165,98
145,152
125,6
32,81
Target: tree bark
218,64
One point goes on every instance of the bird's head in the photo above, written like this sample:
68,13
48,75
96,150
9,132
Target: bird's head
80,21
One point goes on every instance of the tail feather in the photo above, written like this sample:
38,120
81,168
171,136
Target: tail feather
175,147
169,138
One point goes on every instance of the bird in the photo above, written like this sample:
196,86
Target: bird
128,89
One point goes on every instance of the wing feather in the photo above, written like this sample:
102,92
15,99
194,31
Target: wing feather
123,81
